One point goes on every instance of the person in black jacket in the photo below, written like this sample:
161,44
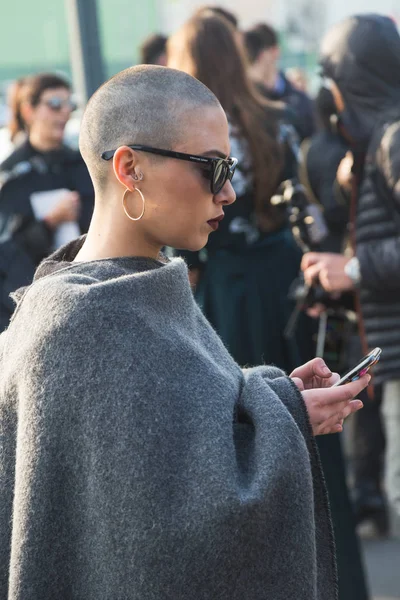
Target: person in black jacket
46,195
326,172
361,58
262,46
321,156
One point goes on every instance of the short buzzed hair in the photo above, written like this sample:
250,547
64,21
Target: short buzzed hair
141,105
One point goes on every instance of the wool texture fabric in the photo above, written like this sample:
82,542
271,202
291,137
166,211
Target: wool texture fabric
138,461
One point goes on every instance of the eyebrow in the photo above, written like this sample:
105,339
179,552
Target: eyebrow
215,153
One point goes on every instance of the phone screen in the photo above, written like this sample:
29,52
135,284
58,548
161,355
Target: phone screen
361,368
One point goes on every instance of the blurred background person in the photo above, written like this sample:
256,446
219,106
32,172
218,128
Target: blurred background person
321,156
220,12
14,133
361,59
298,78
326,171
262,46
253,250
253,247
153,50
46,195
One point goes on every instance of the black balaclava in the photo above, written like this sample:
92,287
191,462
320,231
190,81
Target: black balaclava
362,56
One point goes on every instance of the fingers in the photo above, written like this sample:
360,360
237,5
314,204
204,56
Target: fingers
327,407
345,392
298,382
333,414
311,274
310,259
314,368
334,424
335,378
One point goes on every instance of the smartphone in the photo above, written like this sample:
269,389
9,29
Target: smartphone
363,367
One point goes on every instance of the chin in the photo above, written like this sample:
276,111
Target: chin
192,245
58,135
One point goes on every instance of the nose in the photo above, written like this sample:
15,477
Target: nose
226,196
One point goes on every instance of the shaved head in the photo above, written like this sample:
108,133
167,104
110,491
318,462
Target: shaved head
146,105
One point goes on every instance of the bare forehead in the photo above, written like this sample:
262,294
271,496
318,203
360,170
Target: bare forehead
61,92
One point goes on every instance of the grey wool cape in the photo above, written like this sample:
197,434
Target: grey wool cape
138,461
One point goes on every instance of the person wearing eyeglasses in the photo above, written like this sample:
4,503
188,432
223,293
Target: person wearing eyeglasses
46,195
138,460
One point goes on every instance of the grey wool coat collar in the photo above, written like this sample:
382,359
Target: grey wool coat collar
138,461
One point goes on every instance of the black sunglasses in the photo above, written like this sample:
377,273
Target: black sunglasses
220,169
57,104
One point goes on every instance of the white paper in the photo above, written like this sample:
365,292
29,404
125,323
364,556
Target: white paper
43,203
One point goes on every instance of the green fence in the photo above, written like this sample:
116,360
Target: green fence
34,35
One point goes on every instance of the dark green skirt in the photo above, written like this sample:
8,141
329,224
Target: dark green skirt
244,295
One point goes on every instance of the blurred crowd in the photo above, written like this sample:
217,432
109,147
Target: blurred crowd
306,261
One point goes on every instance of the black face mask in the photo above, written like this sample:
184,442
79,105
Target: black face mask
356,132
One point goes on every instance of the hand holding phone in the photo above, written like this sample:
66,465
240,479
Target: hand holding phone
361,368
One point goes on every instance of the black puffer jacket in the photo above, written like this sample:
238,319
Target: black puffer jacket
322,155
362,55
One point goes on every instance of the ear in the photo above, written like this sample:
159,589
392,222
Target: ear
27,112
126,166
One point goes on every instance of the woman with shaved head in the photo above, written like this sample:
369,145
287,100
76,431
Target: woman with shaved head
137,460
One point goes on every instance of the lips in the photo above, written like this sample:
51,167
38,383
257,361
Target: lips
214,223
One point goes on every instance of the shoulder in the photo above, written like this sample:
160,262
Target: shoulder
387,144
20,154
71,155
100,290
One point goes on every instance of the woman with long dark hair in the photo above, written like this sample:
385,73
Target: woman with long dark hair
253,252
46,196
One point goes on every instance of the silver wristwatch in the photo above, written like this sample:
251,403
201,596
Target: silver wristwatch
352,270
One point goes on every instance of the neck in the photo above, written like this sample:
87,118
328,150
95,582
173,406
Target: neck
112,235
43,144
271,77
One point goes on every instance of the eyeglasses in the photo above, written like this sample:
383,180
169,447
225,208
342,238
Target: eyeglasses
219,170
55,103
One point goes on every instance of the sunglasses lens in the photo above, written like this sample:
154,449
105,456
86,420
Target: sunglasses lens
54,103
220,176
57,104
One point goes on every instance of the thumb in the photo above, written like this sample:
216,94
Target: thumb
309,259
321,369
298,382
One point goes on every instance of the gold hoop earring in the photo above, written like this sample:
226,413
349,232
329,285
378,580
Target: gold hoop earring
124,207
